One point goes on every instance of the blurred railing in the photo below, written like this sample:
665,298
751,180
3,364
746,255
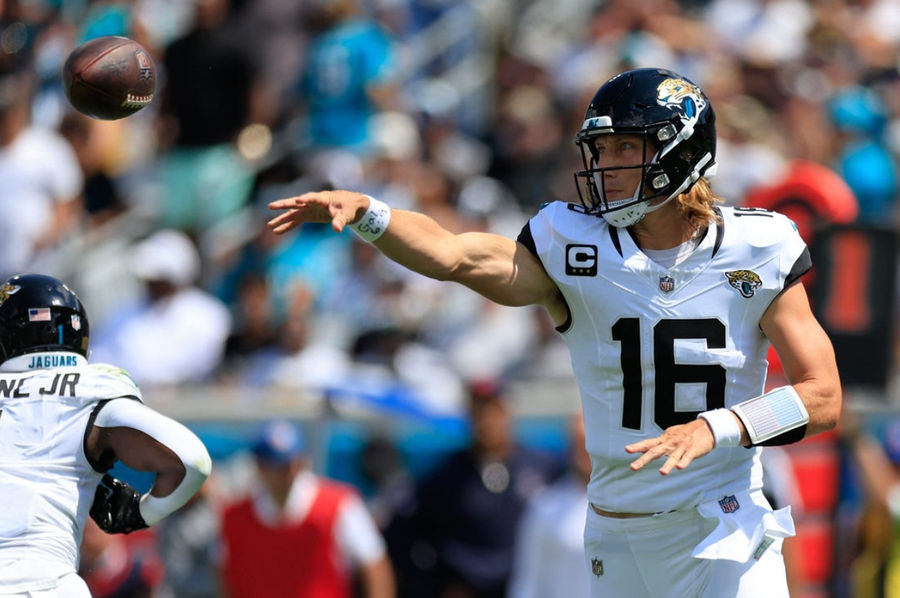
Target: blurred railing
234,403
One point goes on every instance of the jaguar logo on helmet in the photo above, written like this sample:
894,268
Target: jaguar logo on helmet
7,289
680,92
745,281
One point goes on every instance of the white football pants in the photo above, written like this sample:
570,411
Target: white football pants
69,586
653,557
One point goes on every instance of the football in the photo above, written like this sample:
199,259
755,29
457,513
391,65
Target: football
109,77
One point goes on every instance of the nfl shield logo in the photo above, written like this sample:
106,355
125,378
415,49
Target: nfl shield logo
76,322
729,504
666,284
597,567
144,64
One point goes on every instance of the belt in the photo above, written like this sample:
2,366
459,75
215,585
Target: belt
616,515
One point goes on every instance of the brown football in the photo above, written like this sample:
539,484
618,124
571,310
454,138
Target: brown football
109,77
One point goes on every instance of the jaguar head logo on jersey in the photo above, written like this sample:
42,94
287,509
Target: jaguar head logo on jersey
6,290
581,260
745,281
682,93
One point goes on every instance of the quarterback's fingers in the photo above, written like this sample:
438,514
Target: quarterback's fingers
643,446
304,202
301,200
649,455
639,462
283,222
676,454
669,464
307,204
282,217
283,204
686,459
339,219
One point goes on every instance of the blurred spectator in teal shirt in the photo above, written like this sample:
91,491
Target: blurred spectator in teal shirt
864,160
351,63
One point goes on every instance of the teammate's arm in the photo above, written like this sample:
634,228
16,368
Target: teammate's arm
498,268
145,440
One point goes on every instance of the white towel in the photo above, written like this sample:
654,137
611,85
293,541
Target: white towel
745,528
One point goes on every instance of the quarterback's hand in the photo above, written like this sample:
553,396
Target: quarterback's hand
681,444
116,507
338,207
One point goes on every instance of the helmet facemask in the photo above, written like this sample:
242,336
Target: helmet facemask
592,181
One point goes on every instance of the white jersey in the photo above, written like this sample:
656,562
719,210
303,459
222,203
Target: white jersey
653,346
47,483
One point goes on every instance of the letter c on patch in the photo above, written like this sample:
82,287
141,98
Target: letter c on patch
581,260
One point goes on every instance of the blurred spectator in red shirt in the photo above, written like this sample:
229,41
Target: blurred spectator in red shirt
299,535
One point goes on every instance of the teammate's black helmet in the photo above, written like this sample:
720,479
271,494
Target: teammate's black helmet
40,313
663,107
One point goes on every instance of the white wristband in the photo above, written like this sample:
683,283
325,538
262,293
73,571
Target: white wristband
374,222
778,411
725,428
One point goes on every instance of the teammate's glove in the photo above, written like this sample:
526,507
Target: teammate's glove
116,507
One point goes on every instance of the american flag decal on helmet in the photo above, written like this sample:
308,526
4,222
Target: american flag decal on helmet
39,314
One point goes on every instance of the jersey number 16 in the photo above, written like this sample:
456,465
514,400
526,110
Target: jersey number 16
668,373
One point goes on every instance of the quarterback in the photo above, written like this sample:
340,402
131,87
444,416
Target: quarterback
63,423
668,303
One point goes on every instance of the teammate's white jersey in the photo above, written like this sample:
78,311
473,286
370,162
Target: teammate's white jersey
47,483
653,346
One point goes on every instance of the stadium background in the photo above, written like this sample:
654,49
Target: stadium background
465,110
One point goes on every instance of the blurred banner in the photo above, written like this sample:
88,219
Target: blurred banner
854,296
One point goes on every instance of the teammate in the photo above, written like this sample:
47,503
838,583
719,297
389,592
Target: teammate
668,304
63,423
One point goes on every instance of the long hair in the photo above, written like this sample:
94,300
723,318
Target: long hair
697,205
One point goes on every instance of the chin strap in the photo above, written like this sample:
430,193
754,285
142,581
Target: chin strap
625,217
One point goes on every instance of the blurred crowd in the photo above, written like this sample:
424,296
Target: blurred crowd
464,110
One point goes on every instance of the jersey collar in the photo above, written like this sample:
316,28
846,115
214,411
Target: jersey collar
43,360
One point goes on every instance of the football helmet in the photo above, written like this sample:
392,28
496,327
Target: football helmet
677,124
40,313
